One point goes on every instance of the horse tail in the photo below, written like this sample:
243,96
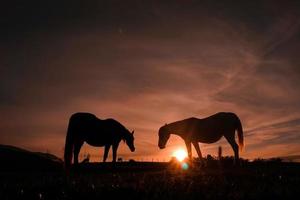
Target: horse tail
69,145
240,134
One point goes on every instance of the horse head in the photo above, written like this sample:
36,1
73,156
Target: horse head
129,139
164,135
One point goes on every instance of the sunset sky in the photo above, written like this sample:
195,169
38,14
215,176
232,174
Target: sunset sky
147,63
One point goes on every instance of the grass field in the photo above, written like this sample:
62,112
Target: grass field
147,180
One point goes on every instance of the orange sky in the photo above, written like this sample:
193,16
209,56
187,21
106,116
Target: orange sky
150,63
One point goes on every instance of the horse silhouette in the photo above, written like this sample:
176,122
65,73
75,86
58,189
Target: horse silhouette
86,127
206,130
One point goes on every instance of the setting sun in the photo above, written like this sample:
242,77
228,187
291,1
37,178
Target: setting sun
180,154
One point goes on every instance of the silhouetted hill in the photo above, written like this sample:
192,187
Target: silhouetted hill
13,158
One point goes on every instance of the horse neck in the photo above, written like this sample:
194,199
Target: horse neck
124,134
175,128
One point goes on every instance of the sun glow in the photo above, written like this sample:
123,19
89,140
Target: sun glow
180,154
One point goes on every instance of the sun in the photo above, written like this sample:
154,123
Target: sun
180,154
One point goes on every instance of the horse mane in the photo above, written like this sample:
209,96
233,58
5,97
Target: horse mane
124,131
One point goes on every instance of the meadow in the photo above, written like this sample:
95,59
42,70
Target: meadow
214,179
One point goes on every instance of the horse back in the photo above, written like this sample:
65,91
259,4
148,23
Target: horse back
212,128
83,121
95,131
222,121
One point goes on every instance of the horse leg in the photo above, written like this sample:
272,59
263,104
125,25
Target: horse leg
106,150
196,145
234,145
77,148
189,149
115,148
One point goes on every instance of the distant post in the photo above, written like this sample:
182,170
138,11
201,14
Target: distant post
220,152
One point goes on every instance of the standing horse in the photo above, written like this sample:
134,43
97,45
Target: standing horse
86,127
206,130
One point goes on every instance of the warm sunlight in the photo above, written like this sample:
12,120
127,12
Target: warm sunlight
180,154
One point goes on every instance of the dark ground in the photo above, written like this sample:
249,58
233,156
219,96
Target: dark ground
136,180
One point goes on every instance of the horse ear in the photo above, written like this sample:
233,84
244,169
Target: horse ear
132,132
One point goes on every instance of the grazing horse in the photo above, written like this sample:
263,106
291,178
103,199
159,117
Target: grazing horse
86,127
206,130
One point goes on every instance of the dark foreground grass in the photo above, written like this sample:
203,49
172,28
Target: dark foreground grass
253,180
